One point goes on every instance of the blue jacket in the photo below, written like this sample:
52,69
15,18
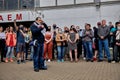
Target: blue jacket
36,33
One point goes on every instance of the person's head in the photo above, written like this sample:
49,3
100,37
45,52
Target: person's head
98,24
25,29
59,30
28,29
54,26
117,25
1,29
39,20
7,29
103,22
72,28
49,28
77,28
110,23
87,26
21,26
66,29
94,28
10,28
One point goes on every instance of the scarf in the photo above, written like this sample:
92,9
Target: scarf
38,25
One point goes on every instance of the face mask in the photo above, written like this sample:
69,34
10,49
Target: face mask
26,31
66,31
48,29
77,29
54,27
21,28
60,31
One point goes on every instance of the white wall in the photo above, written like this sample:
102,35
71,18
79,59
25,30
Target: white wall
44,3
84,1
81,15
65,2
108,0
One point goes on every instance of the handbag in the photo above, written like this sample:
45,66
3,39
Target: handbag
93,46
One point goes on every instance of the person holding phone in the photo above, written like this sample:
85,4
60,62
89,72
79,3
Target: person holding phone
38,35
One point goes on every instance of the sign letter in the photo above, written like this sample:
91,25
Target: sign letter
18,16
1,18
9,17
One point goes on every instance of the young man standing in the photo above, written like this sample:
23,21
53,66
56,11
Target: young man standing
37,29
20,43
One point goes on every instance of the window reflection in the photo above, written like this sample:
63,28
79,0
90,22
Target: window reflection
26,4
11,4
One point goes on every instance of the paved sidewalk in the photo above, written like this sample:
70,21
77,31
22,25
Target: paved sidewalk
61,71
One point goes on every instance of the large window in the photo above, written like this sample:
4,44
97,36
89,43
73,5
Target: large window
37,3
16,4
1,5
11,4
46,3
26,4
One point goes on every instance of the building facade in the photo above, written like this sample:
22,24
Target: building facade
60,12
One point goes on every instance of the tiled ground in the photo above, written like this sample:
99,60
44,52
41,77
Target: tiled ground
61,71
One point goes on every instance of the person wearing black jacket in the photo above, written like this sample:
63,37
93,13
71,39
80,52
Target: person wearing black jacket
38,29
116,50
2,44
79,43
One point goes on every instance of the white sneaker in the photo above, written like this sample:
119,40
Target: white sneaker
84,58
110,48
49,60
113,61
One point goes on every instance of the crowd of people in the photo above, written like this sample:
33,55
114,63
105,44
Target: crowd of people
14,42
41,43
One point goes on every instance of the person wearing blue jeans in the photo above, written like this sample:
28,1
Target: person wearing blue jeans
84,50
61,50
38,56
10,52
106,48
60,39
37,29
89,51
87,37
31,52
103,34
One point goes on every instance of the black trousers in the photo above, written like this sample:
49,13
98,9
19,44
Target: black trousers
54,50
2,48
79,48
26,50
116,54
